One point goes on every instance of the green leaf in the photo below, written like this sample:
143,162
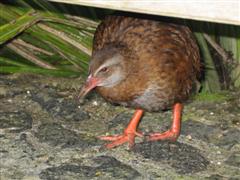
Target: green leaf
32,69
211,83
11,62
15,27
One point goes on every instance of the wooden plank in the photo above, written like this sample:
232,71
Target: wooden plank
222,11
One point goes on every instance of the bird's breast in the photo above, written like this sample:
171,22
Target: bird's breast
154,98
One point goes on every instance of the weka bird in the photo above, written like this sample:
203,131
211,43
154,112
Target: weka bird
143,64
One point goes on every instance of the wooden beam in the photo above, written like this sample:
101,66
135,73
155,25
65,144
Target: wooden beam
221,11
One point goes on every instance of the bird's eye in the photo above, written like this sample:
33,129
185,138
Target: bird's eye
105,69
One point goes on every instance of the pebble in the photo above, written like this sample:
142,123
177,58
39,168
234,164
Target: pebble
3,91
219,152
95,103
189,137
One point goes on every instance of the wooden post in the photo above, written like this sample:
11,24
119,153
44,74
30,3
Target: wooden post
222,11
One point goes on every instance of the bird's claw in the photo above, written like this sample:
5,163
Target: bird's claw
121,139
168,135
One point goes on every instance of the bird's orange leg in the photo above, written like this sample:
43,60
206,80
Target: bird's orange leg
174,132
129,133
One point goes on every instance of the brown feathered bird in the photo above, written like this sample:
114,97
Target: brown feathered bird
143,64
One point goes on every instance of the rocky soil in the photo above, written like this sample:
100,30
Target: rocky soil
45,133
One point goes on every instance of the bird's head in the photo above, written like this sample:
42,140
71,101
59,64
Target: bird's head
107,69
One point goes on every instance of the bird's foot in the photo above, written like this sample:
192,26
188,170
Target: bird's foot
127,136
174,132
168,135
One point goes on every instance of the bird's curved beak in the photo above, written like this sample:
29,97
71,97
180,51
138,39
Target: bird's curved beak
90,84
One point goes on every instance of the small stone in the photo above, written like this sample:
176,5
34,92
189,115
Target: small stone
98,173
211,113
219,152
219,163
28,92
95,103
3,91
189,137
79,107
54,84
9,100
107,133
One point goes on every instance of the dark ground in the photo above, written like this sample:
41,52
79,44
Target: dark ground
46,134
